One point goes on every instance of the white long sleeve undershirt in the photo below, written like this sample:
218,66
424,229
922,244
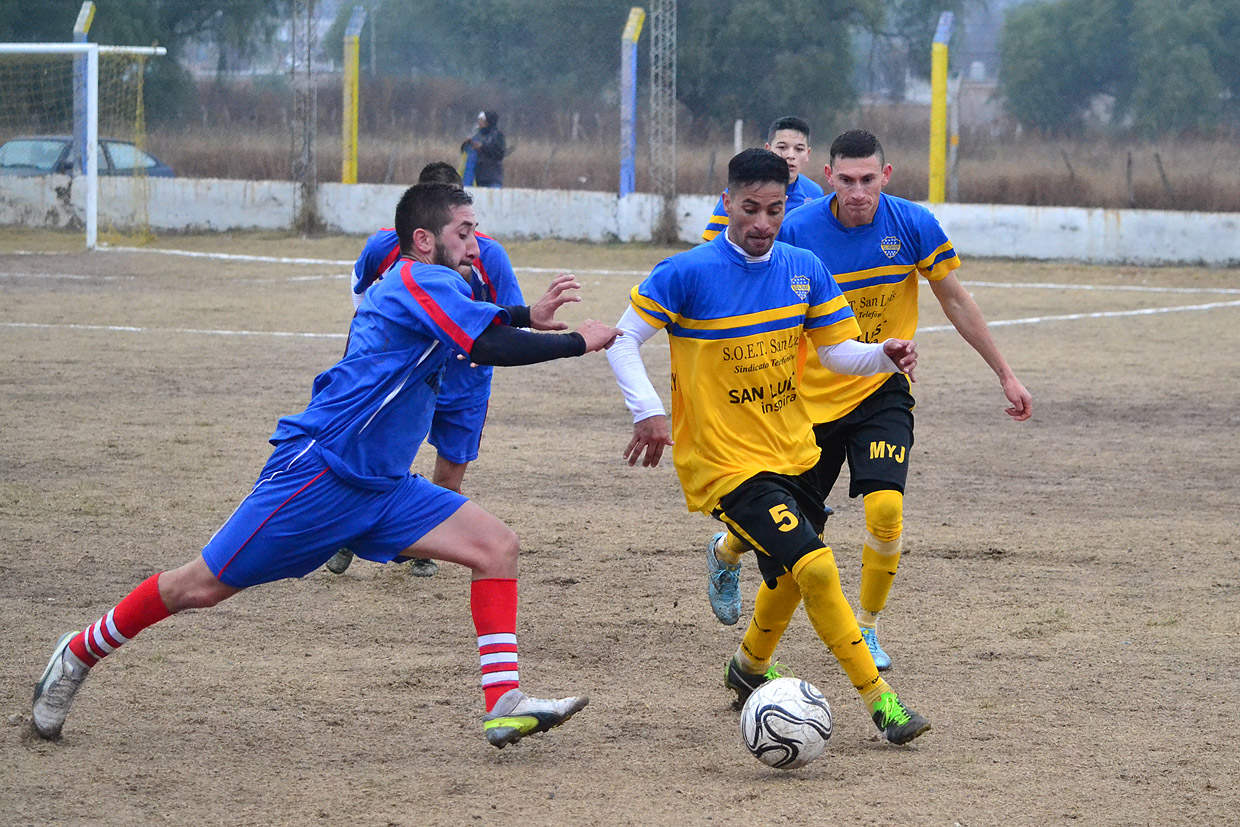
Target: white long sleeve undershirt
848,357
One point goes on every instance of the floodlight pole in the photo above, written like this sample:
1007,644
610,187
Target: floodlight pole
938,108
628,99
352,70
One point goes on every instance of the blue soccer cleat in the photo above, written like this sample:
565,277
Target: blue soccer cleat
723,585
881,659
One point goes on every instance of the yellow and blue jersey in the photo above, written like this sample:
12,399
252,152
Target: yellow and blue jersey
800,192
736,331
876,266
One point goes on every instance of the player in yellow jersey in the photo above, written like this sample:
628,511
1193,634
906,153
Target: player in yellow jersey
736,310
877,246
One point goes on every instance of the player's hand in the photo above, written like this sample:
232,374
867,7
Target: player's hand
542,312
650,435
904,353
598,335
1021,399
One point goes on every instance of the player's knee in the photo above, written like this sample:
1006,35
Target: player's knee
884,514
501,547
192,586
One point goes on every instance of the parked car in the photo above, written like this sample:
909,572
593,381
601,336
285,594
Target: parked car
54,155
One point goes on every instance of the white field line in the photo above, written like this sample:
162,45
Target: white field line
1107,314
314,261
65,276
111,328
643,273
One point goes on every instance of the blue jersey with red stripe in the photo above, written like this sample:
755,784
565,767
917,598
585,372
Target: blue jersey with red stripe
369,413
492,280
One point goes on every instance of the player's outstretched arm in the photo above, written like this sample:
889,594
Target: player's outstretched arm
560,293
964,314
508,346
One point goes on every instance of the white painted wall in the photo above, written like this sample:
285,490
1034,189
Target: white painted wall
1143,237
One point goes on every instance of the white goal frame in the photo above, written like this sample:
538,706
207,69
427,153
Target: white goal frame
91,51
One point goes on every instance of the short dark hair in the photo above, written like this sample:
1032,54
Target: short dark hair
856,143
427,207
788,122
492,117
756,166
439,172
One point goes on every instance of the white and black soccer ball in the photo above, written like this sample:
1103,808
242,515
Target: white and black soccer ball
786,723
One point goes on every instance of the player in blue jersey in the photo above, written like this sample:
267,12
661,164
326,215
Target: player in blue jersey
339,473
877,246
737,311
465,392
789,139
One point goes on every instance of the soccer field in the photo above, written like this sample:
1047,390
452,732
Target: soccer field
1065,612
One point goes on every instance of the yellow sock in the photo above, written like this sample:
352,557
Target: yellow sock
880,556
730,550
772,609
833,620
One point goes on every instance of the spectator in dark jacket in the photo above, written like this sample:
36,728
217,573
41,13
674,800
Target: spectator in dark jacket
488,143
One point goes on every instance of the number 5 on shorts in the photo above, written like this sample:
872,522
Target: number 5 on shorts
784,519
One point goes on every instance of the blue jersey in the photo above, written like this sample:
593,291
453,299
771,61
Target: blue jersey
736,329
876,266
800,193
369,413
492,280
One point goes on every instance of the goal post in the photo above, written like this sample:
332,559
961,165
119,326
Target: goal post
34,105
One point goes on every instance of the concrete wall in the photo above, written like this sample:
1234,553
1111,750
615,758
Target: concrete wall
978,230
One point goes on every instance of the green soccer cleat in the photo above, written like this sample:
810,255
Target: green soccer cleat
896,721
744,683
517,715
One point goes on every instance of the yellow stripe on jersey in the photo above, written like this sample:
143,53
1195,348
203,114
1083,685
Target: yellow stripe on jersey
714,227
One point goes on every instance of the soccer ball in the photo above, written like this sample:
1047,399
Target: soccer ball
786,723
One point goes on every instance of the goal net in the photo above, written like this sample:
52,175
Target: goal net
52,97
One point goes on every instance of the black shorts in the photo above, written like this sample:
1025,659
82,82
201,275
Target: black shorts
877,439
781,516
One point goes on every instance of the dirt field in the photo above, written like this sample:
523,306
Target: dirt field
1065,613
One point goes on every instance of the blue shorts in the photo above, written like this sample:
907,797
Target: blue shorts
457,435
300,513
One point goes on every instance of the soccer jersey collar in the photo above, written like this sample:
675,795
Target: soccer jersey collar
750,259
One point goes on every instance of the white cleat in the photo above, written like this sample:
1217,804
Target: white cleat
53,694
517,715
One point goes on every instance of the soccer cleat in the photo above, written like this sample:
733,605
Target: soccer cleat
723,584
516,715
744,683
53,694
340,561
896,721
881,659
421,567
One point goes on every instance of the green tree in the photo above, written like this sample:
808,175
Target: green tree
1172,66
168,23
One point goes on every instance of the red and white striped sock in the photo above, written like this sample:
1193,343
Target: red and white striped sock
493,604
142,607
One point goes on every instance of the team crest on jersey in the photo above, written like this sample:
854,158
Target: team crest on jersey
890,246
800,286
